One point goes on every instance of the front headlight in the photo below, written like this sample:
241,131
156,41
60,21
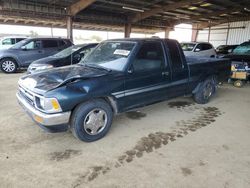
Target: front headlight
49,105
40,67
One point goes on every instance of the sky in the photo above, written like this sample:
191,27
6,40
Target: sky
181,33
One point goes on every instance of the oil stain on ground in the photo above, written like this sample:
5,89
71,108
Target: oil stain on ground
179,104
186,171
154,141
59,156
135,115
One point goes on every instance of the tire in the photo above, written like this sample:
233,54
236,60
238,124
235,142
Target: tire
8,65
206,90
238,83
91,120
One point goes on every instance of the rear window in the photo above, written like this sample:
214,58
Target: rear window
175,55
49,43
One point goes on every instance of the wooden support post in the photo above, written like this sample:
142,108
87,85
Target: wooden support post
127,30
195,33
167,31
70,28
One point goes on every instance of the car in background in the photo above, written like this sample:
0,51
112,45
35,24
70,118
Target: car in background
225,49
240,55
68,56
22,54
7,42
203,49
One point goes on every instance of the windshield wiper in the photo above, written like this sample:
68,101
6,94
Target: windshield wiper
92,65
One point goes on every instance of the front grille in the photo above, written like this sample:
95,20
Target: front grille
29,97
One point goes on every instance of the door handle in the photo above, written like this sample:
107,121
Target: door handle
165,73
40,51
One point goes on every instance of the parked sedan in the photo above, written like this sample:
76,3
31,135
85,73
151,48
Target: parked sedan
69,56
203,49
225,49
23,53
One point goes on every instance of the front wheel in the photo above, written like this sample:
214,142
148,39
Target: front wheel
206,90
8,65
92,120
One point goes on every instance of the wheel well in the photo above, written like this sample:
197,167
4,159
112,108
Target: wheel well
213,77
109,100
11,59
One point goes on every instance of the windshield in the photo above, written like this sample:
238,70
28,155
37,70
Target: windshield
187,46
19,44
67,52
110,55
243,49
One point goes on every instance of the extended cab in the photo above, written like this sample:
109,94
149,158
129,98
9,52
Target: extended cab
117,76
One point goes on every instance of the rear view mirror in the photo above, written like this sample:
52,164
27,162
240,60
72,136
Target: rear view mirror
131,69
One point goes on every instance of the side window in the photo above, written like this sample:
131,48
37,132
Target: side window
33,45
202,47
149,57
175,55
19,39
198,48
8,41
86,51
49,44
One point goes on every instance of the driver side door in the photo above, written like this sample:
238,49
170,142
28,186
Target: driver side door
30,52
147,77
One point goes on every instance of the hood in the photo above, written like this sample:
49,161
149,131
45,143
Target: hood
51,79
46,60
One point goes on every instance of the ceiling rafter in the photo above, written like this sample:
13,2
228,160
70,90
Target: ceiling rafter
165,8
79,6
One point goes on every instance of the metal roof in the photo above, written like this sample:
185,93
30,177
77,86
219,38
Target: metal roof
146,16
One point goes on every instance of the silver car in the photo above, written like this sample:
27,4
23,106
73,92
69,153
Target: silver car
22,54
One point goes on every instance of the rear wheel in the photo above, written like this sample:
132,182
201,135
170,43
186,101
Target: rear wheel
8,65
206,90
92,120
238,83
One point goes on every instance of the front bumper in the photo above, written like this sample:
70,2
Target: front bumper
47,120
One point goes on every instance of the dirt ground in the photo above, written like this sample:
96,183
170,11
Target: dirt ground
173,144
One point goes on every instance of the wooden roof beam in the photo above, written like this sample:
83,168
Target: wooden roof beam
218,13
169,7
79,6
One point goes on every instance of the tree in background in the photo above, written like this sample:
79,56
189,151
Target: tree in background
33,33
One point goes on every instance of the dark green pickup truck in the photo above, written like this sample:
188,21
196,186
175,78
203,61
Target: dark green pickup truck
117,76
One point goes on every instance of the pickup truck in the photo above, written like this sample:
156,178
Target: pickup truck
117,76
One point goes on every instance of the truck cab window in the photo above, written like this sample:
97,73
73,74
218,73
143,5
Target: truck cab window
175,55
150,56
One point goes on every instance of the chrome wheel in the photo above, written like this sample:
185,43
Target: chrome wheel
8,66
208,90
95,121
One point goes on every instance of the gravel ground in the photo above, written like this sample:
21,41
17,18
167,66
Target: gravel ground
175,143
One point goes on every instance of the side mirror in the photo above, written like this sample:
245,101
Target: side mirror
131,69
77,57
197,49
24,48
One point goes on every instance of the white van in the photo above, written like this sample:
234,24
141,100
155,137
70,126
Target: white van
7,42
